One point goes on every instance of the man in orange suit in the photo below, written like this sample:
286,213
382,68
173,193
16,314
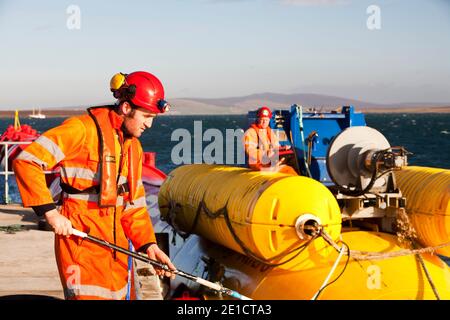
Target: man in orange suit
100,158
262,146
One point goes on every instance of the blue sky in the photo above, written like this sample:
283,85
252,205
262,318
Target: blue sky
223,48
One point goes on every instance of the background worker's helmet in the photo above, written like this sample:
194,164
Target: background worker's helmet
264,112
140,88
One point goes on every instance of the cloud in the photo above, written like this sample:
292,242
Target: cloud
315,2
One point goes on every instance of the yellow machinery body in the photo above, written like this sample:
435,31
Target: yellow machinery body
262,209
427,192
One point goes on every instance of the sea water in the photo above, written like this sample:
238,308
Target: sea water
427,136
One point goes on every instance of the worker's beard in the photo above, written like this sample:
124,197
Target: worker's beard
126,132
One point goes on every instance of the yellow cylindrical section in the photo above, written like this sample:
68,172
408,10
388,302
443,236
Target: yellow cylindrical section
391,279
427,192
262,207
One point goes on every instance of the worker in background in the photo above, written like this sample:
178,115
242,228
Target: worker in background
262,147
101,165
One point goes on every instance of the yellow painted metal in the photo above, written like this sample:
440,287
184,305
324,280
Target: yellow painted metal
427,192
393,278
16,121
262,208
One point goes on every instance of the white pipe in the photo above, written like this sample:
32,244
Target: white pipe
341,252
79,233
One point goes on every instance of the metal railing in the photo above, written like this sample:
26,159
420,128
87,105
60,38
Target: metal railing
6,172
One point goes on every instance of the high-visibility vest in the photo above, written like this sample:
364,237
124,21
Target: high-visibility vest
256,149
108,159
88,270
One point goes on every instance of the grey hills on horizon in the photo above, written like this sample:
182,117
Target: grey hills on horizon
243,104
320,102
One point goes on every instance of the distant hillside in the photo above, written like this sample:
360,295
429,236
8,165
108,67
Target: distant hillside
241,105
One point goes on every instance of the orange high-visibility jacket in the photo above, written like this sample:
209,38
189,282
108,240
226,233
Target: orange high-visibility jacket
257,145
87,270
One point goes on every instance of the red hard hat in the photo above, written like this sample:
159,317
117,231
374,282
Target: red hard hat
140,88
264,112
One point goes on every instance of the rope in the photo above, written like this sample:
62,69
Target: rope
355,254
366,255
319,231
260,259
224,212
406,235
427,274
173,209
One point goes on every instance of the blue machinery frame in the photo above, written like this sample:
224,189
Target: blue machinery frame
312,131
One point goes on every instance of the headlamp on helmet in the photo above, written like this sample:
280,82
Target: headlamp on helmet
163,106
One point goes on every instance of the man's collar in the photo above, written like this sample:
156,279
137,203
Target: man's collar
116,120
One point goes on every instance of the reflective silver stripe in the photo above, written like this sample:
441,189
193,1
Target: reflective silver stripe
82,196
73,172
95,291
52,147
138,203
24,155
91,198
119,201
122,180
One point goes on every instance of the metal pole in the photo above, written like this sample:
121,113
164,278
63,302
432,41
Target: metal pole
206,283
